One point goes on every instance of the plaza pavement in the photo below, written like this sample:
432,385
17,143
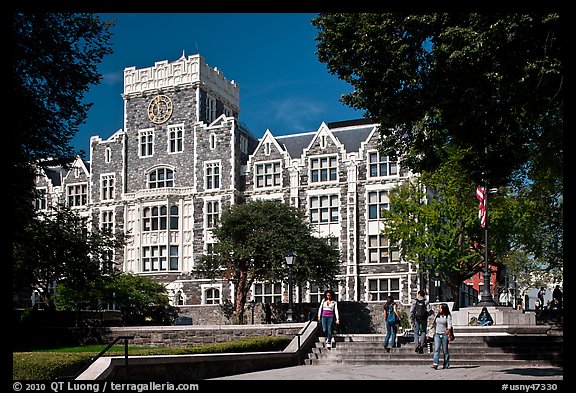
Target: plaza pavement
417,372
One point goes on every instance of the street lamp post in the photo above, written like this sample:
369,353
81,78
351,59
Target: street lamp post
251,306
290,257
437,285
486,299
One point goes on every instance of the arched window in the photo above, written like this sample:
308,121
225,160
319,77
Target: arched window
212,296
161,178
155,218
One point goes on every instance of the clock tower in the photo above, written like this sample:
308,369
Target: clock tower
177,164
164,105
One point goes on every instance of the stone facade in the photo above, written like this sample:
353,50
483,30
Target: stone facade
165,181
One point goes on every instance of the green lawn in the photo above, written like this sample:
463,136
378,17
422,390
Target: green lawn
49,364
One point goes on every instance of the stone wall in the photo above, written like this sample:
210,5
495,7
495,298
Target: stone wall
355,317
178,336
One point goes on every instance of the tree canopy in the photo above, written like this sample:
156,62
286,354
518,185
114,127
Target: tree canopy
57,248
252,240
434,220
54,59
488,83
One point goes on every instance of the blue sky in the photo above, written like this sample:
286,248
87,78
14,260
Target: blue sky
272,57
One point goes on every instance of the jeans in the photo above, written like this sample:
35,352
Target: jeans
441,339
419,333
327,323
391,329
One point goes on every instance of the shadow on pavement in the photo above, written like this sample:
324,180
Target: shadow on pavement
535,371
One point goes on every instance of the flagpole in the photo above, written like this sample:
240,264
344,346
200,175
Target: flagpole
486,299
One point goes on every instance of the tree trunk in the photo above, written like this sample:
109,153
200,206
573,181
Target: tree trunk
241,295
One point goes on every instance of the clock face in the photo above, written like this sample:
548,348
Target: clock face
160,109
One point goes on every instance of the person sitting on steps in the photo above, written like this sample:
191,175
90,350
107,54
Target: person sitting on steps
485,319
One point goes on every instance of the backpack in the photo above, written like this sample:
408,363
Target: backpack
391,315
420,311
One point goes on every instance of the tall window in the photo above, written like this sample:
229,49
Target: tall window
381,251
173,262
107,220
107,261
146,143
107,191
161,178
41,199
268,174
174,217
267,293
155,258
212,171
243,144
77,195
212,213
155,218
107,155
324,208
377,249
175,139
379,289
381,165
212,141
323,169
210,109
377,202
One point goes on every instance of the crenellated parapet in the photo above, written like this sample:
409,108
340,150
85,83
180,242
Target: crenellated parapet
183,72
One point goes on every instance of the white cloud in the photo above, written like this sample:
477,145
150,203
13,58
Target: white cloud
113,78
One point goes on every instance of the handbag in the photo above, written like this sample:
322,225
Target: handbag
451,334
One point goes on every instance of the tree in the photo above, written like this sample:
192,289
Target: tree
434,220
54,62
252,239
57,248
139,298
488,83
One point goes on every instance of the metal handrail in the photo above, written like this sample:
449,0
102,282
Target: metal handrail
306,328
102,352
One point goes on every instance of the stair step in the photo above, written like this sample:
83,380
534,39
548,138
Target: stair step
367,349
453,362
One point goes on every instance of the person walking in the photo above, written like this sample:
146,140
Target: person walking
442,326
420,310
328,315
557,296
392,319
541,294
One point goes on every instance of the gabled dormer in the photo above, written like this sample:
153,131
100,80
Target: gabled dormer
324,142
75,184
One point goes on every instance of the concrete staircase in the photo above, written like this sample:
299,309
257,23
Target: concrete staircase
474,345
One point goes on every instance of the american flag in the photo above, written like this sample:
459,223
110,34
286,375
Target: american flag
481,195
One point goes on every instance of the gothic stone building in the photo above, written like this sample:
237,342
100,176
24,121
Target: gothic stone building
183,157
